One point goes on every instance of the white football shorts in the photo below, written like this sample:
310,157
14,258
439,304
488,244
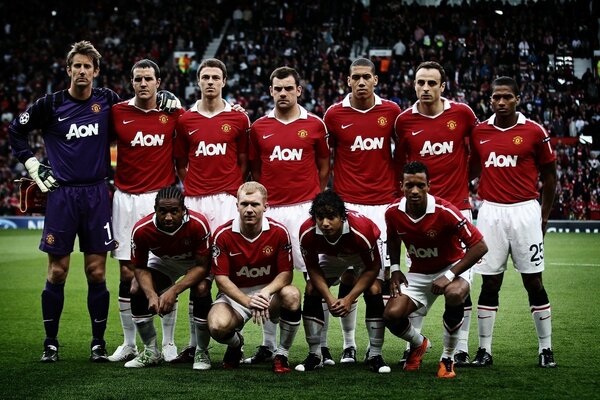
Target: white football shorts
292,217
217,208
126,211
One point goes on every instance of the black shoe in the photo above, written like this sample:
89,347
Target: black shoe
99,354
349,355
50,354
376,364
462,359
327,358
546,359
310,363
186,356
233,355
263,354
404,357
482,359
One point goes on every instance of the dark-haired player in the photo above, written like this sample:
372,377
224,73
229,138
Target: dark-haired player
170,243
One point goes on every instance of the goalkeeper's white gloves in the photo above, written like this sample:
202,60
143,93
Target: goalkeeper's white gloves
167,101
41,174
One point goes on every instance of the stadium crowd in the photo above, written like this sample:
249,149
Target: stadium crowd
473,44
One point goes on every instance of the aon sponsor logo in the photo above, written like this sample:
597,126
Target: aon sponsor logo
422,253
81,131
147,140
500,161
211,149
435,149
179,257
254,272
367,143
286,154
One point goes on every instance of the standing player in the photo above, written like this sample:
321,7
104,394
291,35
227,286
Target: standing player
253,270
510,150
166,245
432,230
212,161
145,164
333,240
436,132
289,155
361,132
75,125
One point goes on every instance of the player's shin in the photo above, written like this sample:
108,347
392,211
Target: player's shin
374,323
201,307
312,317
145,327
348,322
98,302
125,314
487,309
463,333
453,320
53,298
289,323
541,312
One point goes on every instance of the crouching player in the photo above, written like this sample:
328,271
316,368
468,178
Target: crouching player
252,264
171,243
332,240
431,229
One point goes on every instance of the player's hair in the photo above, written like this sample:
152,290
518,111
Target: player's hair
433,65
416,167
146,63
284,72
169,192
85,48
212,63
327,204
252,187
506,81
362,62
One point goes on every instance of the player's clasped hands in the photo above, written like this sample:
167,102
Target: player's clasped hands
341,307
166,302
439,285
259,306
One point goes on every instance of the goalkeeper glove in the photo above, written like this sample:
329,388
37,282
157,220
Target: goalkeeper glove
167,101
41,174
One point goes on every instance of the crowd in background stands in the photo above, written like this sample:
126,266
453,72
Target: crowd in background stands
474,43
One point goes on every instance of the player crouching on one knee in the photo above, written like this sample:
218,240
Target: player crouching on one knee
432,230
252,264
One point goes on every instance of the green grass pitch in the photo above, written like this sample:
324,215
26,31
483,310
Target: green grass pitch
571,278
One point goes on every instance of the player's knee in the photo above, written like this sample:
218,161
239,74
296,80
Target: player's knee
374,289
219,329
202,289
95,272
491,283
533,282
454,294
538,297
488,299
290,297
309,289
126,272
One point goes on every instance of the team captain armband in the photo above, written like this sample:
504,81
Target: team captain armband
31,198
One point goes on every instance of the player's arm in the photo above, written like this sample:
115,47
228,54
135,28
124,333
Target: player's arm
191,278
323,168
181,164
548,177
229,288
473,254
474,164
372,261
242,160
144,279
317,279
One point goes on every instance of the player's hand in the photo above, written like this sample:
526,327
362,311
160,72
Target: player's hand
341,307
167,101
259,301
396,281
438,286
166,302
153,304
259,317
41,174
237,107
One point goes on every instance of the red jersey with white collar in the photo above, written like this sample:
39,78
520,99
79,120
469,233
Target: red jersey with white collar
144,147
251,262
432,241
363,169
440,142
359,237
288,154
510,159
211,145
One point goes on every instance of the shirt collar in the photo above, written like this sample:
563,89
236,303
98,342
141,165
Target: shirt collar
521,119
445,101
235,226
346,101
430,204
196,109
184,220
303,114
131,103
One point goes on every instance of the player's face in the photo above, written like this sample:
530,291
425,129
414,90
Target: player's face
251,207
211,82
285,92
362,82
503,101
428,85
144,83
415,187
331,226
169,214
82,71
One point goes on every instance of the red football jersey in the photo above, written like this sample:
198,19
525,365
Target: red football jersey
363,169
510,159
211,145
288,153
440,142
432,241
251,262
144,147
359,237
177,250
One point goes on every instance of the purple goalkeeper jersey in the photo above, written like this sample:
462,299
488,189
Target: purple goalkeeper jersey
75,132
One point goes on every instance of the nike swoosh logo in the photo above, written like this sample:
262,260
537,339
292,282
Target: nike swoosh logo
109,242
484,317
99,321
49,320
61,119
417,132
128,121
192,132
347,126
546,317
267,136
484,141
234,254
538,263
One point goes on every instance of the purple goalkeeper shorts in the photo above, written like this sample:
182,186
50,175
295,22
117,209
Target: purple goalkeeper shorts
82,211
